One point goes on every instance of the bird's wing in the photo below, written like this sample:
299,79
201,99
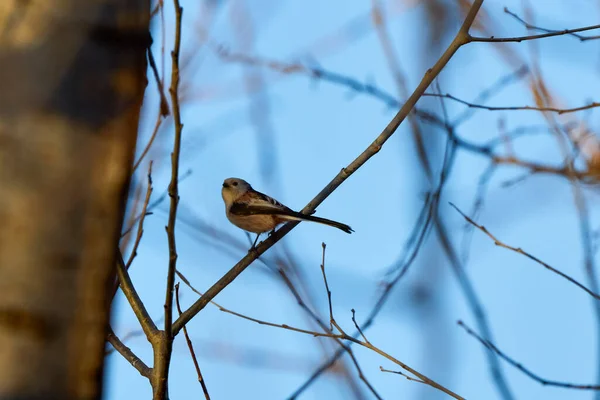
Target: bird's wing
253,202
257,203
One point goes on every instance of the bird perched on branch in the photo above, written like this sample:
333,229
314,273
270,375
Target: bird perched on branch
256,212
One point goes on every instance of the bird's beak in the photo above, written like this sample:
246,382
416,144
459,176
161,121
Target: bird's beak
225,185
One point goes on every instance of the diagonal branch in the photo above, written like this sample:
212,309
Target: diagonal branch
461,38
191,348
127,354
140,229
148,326
523,252
520,366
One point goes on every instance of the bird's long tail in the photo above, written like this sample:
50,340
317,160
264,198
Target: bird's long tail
325,221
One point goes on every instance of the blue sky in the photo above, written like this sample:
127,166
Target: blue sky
314,128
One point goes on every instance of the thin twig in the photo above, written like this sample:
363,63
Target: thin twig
191,347
332,320
514,108
157,125
482,187
174,184
493,39
315,72
521,251
140,230
323,245
359,369
548,169
520,366
490,91
358,327
164,105
410,378
537,28
344,348
163,108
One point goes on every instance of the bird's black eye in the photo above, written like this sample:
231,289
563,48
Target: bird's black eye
235,183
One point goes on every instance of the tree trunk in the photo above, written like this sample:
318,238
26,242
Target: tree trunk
72,76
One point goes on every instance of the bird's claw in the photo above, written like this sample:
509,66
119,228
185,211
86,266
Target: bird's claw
254,247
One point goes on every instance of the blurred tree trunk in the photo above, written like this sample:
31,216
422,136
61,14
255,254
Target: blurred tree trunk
72,76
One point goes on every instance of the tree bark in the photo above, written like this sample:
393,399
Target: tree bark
72,76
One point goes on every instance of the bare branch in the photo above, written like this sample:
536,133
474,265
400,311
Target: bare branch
148,326
128,336
493,39
514,108
127,354
191,347
157,125
358,327
323,245
547,169
523,369
537,28
140,230
164,106
154,204
410,378
521,251
489,92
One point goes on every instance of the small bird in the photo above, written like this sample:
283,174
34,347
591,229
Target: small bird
256,212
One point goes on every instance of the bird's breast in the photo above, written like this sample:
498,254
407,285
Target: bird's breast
254,223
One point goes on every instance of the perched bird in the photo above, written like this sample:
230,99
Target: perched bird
256,212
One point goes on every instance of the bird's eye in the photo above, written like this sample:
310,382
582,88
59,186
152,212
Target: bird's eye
235,183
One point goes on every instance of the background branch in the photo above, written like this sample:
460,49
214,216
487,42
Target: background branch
522,368
521,251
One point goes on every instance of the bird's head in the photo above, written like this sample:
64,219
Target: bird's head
234,188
